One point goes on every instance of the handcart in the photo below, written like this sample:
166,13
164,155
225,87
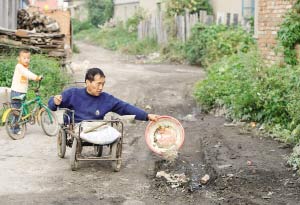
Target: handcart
78,135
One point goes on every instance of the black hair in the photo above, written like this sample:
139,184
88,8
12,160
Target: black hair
23,51
90,74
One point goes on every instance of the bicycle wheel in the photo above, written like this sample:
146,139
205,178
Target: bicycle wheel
61,143
14,128
49,122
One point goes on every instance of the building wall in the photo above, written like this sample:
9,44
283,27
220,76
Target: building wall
78,10
270,15
150,6
222,7
233,6
48,4
8,13
123,11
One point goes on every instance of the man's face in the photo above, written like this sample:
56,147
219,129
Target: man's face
96,86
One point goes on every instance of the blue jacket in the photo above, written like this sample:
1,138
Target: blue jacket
88,107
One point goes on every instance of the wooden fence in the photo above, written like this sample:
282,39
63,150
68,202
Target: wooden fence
154,26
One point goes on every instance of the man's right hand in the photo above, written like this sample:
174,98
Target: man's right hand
57,99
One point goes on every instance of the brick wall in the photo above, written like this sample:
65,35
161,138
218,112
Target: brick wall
270,15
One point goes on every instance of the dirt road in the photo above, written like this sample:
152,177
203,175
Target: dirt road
243,168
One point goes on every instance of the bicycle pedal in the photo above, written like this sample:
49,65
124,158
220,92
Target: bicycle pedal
32,121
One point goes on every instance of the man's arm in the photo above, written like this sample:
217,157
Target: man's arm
54,102
59,100
123,108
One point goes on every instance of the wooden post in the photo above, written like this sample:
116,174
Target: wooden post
209,20
187,25
228,19
202,16
235,19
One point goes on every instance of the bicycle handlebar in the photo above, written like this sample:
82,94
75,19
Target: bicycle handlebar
39,85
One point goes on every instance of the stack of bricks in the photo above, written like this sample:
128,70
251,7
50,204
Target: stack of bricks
270,16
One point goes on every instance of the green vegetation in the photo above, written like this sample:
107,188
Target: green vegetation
178,7
54,78
121,37
207,44
75,48
237,78
289,34
81,26
251,91
100,11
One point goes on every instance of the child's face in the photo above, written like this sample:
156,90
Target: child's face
24,59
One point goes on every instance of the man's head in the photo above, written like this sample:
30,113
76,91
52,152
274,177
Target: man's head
24,57
94,80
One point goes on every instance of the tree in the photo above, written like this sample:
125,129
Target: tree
178,7
100,11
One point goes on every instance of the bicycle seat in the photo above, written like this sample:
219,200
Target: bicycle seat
20,97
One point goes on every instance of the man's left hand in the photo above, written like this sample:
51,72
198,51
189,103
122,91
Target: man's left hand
153,117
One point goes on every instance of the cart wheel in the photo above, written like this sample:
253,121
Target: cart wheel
14,128
61,143
98,149
116,153
73,159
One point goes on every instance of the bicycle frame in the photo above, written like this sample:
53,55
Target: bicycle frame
26,114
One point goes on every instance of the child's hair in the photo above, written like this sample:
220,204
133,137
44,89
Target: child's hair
23,51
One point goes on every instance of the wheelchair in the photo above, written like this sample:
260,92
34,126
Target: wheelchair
75,136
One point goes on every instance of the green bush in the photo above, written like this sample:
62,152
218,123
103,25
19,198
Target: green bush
133,22
178,7
173,52
145,46
118,38
54,78
288,34
208,44
100,11
75,48
80,26
254,92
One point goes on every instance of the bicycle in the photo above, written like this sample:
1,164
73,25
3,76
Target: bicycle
16,119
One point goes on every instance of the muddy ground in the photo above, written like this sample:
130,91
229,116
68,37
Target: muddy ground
243,168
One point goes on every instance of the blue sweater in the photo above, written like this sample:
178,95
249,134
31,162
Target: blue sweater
88,107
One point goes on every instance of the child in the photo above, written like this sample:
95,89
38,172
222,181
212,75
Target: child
19,84
21,76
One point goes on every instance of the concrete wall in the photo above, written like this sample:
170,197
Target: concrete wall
78,10
221,8
150,6
8,13
270,15
125,10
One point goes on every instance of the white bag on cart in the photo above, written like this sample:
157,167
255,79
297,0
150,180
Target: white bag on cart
102,136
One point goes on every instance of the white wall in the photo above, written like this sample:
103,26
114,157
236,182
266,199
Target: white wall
124,11
222,7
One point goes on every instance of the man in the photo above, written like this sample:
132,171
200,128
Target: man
90,103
